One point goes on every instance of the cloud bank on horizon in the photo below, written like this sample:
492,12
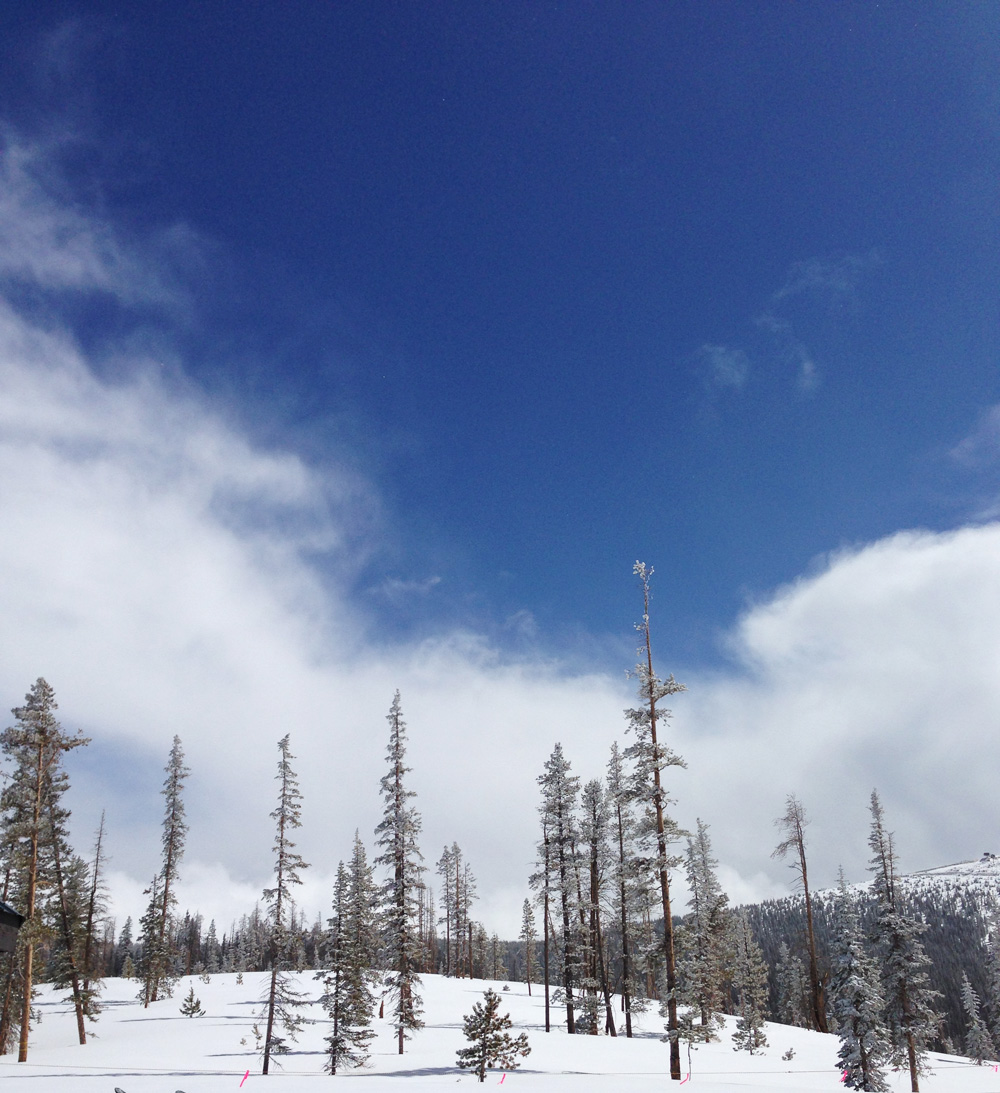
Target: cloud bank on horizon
169,573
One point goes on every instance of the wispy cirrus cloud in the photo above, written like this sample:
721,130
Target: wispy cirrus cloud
724,367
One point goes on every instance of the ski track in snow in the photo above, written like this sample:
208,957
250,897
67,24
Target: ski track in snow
158,1050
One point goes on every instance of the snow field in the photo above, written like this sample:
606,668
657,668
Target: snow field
158,1050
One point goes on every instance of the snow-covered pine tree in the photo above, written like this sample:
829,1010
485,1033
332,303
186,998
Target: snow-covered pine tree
594,831
704,935
528,939
856,998
623,870
35,745
559,793
158,953
446,871
282,998
909,1000
978,1042
465,894
97,907
793,988
350,976
490,1043
651,758
541,881
750,982
401,857
792,826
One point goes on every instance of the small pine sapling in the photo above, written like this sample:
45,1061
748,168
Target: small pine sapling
191,1006
490,1044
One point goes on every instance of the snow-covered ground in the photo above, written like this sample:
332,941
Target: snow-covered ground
157,1050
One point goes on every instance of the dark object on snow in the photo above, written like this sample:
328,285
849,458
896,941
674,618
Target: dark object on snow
10,923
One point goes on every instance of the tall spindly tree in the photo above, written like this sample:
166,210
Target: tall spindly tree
35,745
397,835
652,757
793,826
282,998
159,957
909,999
558,854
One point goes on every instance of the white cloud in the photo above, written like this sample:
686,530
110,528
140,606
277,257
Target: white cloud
159,568
725,367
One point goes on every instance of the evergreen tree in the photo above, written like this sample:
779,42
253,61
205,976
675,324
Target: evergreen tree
35,745
282,997
750,981
792,825
705,931
651,759
350,977
793,988
559,792
908,996
528,936
191,1006
159,952
96,911
594,832
447,871
490,1043
623,874
978,1042
857,1003
401,857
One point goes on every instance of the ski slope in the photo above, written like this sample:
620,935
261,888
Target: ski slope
157,1050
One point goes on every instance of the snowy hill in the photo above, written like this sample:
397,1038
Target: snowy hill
157,1050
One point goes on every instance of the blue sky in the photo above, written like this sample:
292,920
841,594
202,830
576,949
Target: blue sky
455,310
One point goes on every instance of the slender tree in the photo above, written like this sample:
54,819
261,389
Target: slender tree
979,1044
446,871
705,933
35,744
401,857
559,793
909,999
750,981
623,868
528,936
594,831
159,953
792,826
651,758
857,1003
282,997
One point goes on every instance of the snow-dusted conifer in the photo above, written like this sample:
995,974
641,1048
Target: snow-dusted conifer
528,937
702,967
794,995
594,832
282,998
35,745
909,1000
349,978
401,857
857,1003
623,873
651,758
490,1043
978,1042
158,953
750,983
559,793
792,826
